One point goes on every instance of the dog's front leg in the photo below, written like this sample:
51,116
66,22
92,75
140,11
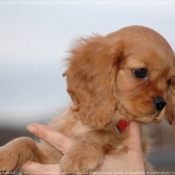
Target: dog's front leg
16,152
88,153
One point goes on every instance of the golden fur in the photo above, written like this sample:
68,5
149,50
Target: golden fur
104,89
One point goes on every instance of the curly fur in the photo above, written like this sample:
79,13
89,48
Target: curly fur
103,90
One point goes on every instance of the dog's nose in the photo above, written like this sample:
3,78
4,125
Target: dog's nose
159,102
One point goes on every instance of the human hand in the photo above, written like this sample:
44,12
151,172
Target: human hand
130,161
56,139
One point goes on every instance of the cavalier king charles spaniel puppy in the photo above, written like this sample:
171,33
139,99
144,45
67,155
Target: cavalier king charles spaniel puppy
127,75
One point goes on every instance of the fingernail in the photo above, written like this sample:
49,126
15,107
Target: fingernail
31,129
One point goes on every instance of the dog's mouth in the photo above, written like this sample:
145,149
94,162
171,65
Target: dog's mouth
159,116
141,118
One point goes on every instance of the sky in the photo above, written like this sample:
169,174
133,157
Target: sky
36,35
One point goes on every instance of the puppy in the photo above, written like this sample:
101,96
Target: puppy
128,75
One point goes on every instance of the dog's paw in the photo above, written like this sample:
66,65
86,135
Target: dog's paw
9,159
15,153
81,159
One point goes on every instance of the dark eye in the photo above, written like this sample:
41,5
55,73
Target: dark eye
168,82
140,73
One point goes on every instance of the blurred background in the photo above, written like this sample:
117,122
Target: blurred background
35,36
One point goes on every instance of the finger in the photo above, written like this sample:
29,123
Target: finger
134,143
56,139
40,169
134,136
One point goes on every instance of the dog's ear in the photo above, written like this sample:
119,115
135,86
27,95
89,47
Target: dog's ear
91,79
170,107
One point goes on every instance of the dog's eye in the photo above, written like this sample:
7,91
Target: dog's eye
168,82
140,73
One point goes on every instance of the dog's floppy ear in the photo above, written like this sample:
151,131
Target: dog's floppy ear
170,107
91,79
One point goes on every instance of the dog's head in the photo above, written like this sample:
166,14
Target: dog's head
131,71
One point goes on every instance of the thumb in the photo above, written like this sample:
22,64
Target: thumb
133,140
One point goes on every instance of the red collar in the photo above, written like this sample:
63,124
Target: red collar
121,126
